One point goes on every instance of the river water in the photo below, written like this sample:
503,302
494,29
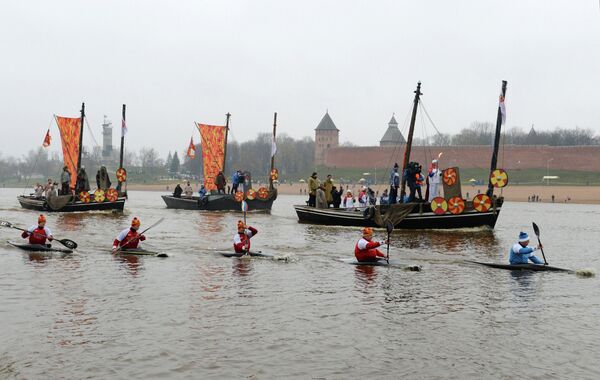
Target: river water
197,314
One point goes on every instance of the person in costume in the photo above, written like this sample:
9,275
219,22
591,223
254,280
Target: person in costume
82,183
348,201
129,238
394,184
65,181
521,252
434,176
102,179
38,234
241,240
366,249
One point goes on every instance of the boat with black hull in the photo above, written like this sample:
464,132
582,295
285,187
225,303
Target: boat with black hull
71,132
214,152
449,212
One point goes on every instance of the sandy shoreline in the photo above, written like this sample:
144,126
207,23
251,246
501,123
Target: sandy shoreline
571,194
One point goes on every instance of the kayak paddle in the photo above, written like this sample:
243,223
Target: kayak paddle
66,242
141,233
389,226
244,206
536,229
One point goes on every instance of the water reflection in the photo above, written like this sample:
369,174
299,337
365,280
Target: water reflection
446,242
131,263
210,222
242,267
365,276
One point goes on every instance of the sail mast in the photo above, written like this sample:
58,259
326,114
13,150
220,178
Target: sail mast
81,136
490,190
273,156
123,124
409,140
225,147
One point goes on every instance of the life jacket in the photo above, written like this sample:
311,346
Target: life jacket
241,240
128,238
366,250
37,234
419,179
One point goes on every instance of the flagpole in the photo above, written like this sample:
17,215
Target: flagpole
499,120
272,153
81,137
123,126
225,145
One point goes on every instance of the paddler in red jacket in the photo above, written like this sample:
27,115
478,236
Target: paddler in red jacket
129,237
366,249
241,240
38,234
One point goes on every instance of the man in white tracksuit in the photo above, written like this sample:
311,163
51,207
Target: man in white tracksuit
434,180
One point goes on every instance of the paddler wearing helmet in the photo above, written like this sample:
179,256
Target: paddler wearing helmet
241,240
366,249
129,237
521,252
38,234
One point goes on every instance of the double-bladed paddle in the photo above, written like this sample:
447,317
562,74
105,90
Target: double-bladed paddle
389,226
66,242
536,229
141,233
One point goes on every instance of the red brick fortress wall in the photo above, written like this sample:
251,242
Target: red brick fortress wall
578,158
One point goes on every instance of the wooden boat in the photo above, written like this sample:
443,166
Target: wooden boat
522,267
39,247
214,158
112,199
450,212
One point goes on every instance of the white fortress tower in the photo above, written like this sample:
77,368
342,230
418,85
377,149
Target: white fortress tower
107,148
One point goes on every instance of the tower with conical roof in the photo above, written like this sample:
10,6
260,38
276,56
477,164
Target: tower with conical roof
326,136
392,136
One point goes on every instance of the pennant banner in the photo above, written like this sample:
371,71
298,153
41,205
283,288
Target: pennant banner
213,152
47,140
191,152
70,130
502,109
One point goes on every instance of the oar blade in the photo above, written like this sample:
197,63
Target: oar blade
389,226
5,224
68,243
536,229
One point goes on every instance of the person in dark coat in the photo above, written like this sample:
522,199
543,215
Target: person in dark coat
337,196
221,181
83,183
65,181
177,192
102,179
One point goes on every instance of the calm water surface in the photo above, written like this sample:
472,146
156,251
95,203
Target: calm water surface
199,315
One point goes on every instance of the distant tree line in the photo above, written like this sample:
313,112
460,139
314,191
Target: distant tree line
482,133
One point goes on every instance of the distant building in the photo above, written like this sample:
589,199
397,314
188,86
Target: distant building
533,138
107,147
326,136
392,136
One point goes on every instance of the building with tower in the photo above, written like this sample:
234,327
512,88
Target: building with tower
107,147
392,136
327,136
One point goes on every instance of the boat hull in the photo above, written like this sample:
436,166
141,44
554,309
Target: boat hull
219,202
32,203
421,217
522,267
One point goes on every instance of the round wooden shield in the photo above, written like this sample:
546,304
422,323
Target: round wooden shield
482,203
121,175
239,196
99,195
439,205
499,178
84,196
112,195
449,176
251,194
456,205
263,193
274,174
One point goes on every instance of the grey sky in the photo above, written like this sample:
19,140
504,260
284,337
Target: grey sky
176,62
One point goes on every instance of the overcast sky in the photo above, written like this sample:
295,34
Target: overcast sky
176,62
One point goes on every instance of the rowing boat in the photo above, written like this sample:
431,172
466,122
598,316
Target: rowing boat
528,267
252,254
40,248
140,252
382,263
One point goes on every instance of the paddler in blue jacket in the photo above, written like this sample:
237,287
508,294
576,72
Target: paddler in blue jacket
521,252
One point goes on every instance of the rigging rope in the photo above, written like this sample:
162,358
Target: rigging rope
27,178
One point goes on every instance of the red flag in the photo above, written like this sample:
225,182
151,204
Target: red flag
191,152
47,140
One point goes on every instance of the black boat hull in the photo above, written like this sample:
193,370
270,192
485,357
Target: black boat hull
219,202
31,203
421,217
39,248
522,267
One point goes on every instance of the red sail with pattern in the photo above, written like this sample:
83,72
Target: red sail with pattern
70,130
213,152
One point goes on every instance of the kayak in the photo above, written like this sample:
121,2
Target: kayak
40,248
529,267
252,254
140,252
382,263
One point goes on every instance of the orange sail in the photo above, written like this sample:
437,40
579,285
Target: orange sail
70,130
213,152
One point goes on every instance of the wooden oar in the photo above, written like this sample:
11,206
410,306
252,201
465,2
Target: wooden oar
536,229
389,226
140,234
66,242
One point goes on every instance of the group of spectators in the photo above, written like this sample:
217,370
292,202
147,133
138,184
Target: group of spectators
239,178
82,183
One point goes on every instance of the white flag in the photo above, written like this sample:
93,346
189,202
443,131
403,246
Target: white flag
502,109
123,128
273,147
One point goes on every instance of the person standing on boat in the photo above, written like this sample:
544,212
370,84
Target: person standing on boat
102,179
313,185
235,181
336,195
394,184
384,199
221,181
38,234
348,201
65,180
434,177
188,191
129,237
82,183
177,191
321,199
202,192
47,187
521,252
366,249
241,240
328,190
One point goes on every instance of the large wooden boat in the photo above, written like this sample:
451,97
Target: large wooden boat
450,212
214,153
71,132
